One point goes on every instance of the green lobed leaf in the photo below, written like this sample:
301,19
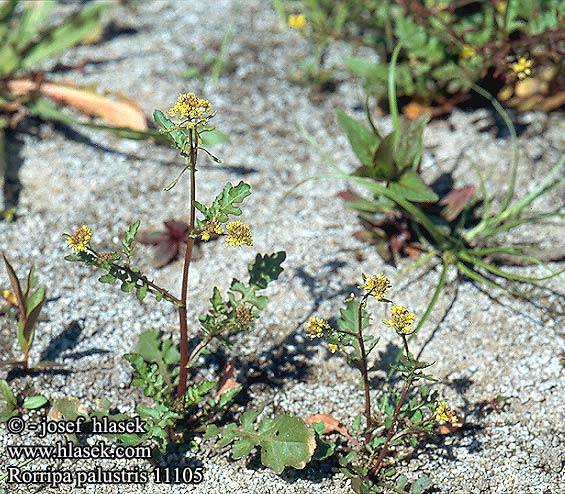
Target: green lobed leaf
225,202
420,485
179,136
349,317
266,268
363,141
412,188
409,149
283,440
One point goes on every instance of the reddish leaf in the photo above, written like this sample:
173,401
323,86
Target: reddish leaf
455,201
168,241
330,424
227,381
448,428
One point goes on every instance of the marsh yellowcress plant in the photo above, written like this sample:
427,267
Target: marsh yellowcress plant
407,413
182,408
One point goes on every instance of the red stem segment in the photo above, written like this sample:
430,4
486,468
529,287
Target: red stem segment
183,324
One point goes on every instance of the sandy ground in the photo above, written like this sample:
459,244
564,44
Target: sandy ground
485,344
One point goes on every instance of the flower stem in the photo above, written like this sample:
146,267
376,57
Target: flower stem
183,324
363,367
379,461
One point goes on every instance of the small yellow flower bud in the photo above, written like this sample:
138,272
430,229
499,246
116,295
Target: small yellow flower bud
444,413
522,68
238,234
297,21
401,320
316,326
376,285
80,241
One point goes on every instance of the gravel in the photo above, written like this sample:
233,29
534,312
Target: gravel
485,345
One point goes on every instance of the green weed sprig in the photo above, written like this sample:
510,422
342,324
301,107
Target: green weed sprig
182,408
406,413
29,302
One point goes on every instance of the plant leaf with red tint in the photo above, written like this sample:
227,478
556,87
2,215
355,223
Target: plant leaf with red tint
227,381
455,201
330,424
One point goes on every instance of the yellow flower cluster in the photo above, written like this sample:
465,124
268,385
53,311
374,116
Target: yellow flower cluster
333,347
212,227
467,52
192,110
297,21
238,234
401,320
375,285
316,326
80,241
444,413
522,68
9,297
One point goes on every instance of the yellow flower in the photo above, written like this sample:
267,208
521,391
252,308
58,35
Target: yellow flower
467,52
9,297
444,413
80,241
212,227
501,7
401,320
190,105
297,21
333,347
316,326
522,68
238,234
376,285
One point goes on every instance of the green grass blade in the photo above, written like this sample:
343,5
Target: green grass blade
504,274
392,103
222,56
416,264
514,137
516,252
310,139
510,225
32,20
486,205
435,297
543,187
485,281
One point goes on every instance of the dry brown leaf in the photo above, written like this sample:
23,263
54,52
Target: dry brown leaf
330,424
414,109
448,428
117,113
227,381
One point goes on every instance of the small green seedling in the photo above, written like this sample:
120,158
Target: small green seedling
29,303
